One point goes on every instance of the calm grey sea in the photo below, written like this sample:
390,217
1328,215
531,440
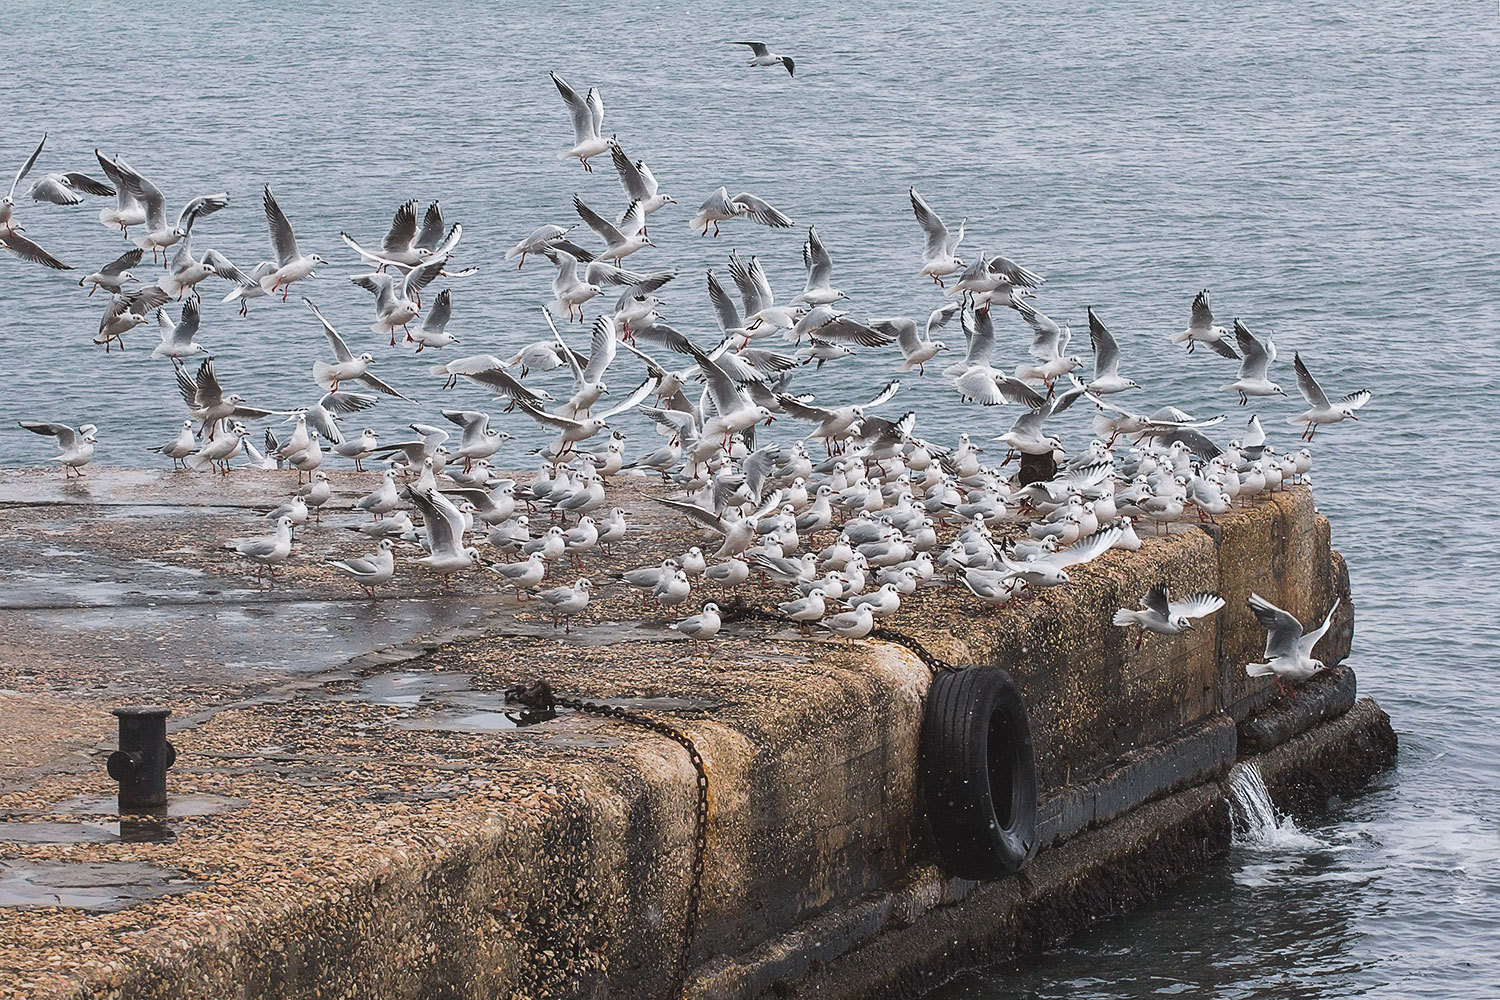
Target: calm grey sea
1328,170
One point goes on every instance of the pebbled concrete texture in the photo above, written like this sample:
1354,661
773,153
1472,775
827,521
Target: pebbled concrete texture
383,830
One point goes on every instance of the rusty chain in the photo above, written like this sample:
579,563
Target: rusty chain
542,704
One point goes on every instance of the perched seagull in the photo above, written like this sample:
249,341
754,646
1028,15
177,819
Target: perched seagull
819,290
852,625
112,276
1107,376
620,241
1201,330
267,552
940,255
180,447
566,602
346,367
639,182
1164,616
1322,412
177,338
704,625
719,207
918,348
383,499
1288,649
395,302
524,575
762,56
588,123
370,571
1253,378
291,264
77,446
126,311
159,235
127,211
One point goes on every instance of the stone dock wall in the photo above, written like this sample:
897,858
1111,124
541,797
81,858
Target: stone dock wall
379,847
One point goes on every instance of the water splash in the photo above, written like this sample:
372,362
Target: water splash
1257,823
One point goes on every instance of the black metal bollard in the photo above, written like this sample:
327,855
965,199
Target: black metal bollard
1037,468
140,765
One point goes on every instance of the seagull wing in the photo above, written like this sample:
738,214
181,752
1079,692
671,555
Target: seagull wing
1283,631
65,435
602,349
1198,605
646,388
27,250
724,307
123,263
762,211
1256,358
1309,642
340,349
631,179
1086,549
26,169
1309,385
403,229
758,48
937,233
1106,348
201,207
376,383
1156,601
751,292
283,241
1203,316
432,228
583,117
597,222
884,394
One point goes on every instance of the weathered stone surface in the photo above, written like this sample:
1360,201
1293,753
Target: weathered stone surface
1325,696
426,847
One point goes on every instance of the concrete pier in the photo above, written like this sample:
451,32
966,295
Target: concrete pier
353,814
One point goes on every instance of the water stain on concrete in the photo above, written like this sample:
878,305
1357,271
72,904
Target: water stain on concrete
99,886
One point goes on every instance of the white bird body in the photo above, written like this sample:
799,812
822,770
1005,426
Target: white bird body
588,123
372,570
77,446
1288,649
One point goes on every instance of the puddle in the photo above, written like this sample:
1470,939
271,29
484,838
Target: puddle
101,886
177,805
128,830
407,688
470,722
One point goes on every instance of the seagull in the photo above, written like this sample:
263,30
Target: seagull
541,239
347,367
395,304
323,417
1164,616
128,210
1025,435
443,524
159,235
1258,358
248,286
479,440
566,602
370,571
704,625
489,371
568,289
852,625
995,279
383,499
267,552
291,264
77,446
588,379
805,610
177,338
434,329
719,207
638,181
571,430
1107,376
10,234
1322,412
620,241
112,276
818,291
833,424
126,311
405,246
185,272
940,255
1201,330
737,533
918,348
1288,648
1051,570
588,121
206,401
63,189
524,575
180,447
762,56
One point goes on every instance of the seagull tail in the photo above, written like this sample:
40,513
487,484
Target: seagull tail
1124,617
1182,336
321,374
1259,669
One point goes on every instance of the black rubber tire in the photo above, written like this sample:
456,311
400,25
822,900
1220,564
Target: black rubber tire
979,773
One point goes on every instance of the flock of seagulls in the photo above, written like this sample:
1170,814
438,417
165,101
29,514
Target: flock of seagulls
848,519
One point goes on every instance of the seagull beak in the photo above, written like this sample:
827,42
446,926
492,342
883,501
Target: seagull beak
1190,627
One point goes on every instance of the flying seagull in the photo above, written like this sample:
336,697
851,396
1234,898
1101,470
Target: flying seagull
762,56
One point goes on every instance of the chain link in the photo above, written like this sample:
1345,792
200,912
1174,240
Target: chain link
542,704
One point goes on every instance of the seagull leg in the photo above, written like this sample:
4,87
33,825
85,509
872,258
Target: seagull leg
1140,634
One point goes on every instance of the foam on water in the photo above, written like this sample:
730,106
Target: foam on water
1257,823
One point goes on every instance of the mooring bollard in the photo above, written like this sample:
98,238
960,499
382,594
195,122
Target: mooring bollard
140,765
